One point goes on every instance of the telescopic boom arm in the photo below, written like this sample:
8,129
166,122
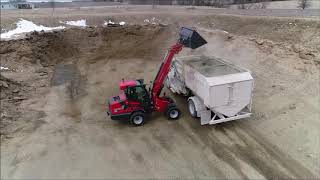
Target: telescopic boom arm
187,38
164,69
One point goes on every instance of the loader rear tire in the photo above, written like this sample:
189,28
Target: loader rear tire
173,113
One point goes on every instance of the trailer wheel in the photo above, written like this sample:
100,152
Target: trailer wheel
173,113
137,118
192,108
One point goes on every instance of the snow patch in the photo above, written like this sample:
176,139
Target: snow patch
79,23
110,22
3,68
146,21
153,21
25,26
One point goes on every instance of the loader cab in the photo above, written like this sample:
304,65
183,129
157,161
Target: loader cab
139,94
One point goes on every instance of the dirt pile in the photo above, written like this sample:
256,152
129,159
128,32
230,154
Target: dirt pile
115,42
9,87
134,42
306,54
12,93
66,77
43,59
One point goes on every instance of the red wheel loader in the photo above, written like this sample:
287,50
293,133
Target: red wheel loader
134,101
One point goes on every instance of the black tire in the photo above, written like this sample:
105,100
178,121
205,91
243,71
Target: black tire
192,108
173,113
137,118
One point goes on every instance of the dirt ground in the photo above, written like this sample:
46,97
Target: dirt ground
53,100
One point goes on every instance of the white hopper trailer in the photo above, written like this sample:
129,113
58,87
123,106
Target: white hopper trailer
218,90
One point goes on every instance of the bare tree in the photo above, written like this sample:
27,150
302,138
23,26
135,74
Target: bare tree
251,4
303,4
218,3
153,4
264,5
242,4
52,4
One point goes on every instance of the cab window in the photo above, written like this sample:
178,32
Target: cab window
137,93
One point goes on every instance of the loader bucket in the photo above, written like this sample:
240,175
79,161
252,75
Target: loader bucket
190,38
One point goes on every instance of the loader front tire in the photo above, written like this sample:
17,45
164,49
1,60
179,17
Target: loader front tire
137,118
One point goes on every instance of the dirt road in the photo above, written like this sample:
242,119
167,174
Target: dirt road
65,78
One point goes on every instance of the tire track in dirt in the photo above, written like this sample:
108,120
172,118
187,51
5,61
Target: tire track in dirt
220,150
69,75
257,159
197,142
255,153
203,133
246,145
293,166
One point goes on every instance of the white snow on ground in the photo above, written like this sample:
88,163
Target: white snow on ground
108,22
146,21
24,26
79,23
121,23
3,68
153,21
